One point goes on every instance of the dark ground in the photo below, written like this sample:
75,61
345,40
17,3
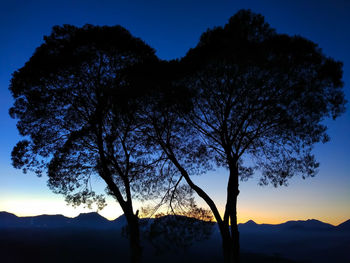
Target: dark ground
67,245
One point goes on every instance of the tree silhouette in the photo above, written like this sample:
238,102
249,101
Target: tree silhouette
177,232
79,119
258,101
96,101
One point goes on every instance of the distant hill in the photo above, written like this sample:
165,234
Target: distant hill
96,221
8,220
300,225
345,226
299,241
303,240
308,225
85,220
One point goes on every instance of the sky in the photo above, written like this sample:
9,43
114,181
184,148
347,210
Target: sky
171,27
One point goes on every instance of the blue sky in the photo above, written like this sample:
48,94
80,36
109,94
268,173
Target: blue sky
172,27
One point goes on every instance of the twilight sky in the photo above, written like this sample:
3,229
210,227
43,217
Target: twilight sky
171,27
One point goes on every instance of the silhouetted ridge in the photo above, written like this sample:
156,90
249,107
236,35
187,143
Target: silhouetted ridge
310,224
120,221
47,221
8,220
7,216
91,220
96,221
250,222
345,226
88,220
89,217
296,225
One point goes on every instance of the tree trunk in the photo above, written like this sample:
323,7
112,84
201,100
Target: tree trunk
227,245
134,238
133,220
231,240
235,232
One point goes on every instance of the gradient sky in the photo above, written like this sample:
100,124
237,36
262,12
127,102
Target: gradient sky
172,27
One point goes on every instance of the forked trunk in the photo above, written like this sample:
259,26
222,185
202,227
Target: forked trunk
230,236
230,244
227,245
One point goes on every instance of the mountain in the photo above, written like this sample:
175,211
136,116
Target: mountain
90,220
96,221
44,221
308,225
303,241
299,225
84,220
345,226
251,226
8,220
119,221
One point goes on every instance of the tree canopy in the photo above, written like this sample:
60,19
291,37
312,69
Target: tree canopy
97,101
263,94
82,116
79,119
258,102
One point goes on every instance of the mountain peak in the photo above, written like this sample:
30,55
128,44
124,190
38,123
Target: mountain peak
89,215
250,222
309,224
313,221
6,214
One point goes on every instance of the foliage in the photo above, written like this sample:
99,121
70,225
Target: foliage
258,100
79,120
264,95
180,229
96,101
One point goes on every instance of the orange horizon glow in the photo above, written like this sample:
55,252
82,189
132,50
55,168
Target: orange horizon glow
273,221
263,205
112,213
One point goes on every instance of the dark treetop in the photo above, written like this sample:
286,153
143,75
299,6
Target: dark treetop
258,102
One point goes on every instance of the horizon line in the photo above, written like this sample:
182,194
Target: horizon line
110,220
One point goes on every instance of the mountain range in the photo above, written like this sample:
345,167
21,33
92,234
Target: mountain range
96,221
310,241
85,220
299,225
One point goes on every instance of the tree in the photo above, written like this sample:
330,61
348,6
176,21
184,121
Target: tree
179,232
79,120
258,101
